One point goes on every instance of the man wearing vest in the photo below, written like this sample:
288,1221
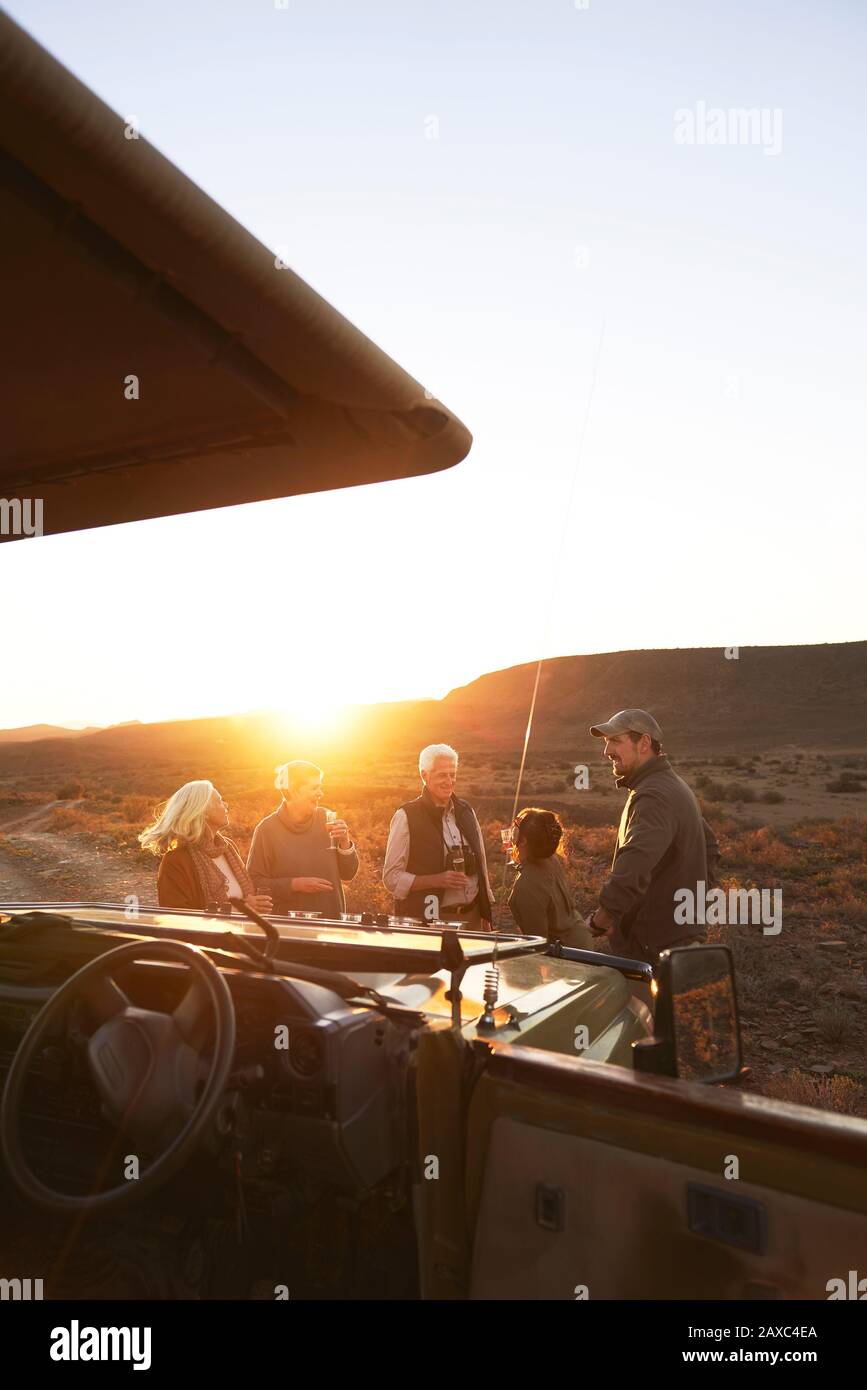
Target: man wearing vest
435,865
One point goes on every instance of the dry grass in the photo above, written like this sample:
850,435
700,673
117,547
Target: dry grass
840,1093
835,1023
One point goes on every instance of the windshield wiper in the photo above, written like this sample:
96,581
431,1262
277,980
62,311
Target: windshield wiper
271,933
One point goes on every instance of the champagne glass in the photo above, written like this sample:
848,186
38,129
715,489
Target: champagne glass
330,818
506,837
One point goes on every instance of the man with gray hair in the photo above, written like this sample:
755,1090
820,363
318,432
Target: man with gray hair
435,865
663,844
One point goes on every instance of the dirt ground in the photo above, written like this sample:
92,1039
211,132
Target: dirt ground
37,864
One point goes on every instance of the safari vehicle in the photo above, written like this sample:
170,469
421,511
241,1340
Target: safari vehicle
233,1106
201,1107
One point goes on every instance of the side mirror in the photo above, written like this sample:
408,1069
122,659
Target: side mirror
696,1027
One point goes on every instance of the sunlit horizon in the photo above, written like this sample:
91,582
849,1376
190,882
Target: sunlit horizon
319,714
657,347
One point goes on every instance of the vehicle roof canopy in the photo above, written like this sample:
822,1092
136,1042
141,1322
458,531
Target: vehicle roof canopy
250,385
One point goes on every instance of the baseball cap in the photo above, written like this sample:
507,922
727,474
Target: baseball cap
636,721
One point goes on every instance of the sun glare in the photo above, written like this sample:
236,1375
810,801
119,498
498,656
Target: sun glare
313,712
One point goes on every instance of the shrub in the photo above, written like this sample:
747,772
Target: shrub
846,782
725,791
69,791
736,791
839,1093
772,797
834,1023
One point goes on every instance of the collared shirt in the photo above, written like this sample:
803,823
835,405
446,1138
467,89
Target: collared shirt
394,872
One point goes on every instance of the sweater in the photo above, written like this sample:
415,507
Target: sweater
280,851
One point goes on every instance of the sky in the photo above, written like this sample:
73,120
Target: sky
651,317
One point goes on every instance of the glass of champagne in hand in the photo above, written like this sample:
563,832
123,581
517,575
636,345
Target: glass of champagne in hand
330,818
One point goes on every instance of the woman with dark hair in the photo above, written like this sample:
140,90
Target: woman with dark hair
540,900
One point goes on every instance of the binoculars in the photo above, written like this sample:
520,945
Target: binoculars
462,859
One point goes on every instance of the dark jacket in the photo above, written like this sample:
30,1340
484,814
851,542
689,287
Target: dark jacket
662,846
177,881
178,884
541,904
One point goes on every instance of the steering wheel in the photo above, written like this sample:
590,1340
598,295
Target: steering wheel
145,1065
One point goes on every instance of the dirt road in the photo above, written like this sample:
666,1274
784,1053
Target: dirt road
39,865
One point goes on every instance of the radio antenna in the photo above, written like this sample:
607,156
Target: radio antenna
557,564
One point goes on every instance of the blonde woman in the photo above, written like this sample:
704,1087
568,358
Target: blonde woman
200,867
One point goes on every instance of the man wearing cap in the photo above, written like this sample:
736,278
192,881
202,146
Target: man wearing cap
663,843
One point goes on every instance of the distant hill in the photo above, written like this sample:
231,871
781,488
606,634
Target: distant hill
769,697
31,732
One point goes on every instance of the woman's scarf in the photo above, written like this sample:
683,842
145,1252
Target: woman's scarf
214,883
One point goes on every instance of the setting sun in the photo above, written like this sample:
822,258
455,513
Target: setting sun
312,713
